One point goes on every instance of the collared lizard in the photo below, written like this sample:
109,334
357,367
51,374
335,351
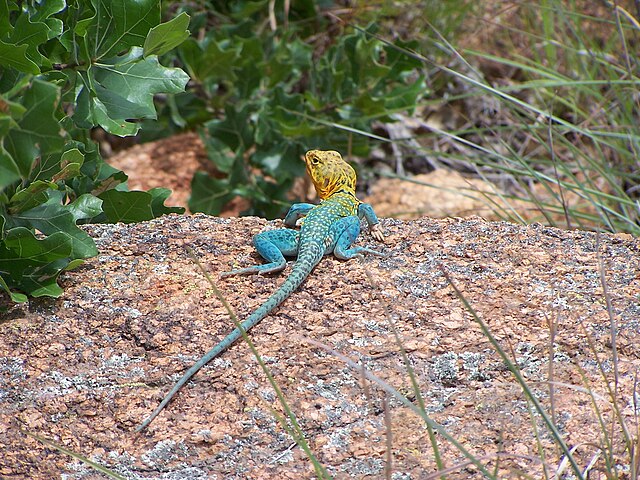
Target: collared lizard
331,226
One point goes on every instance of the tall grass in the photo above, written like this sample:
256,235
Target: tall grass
546,105
573,137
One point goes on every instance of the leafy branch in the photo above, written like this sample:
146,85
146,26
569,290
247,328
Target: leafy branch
65,69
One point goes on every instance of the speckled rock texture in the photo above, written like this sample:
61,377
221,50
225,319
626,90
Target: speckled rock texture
83,370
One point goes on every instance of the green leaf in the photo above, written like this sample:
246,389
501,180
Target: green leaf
130,207
136,80
53,217
235,129
243,10
97,175
9,171
15,56
57,167
406,96
85,206
31,196
32,29
209,195
31,34
217,60
280,161
166,36
70,164
45,9
32,264
290,60
219,154
5,26
16,297
48,289
250,71
122,88
38,131
158,197
79,19
120,24
35,249
43,13
119,127
399,60
10,113
73,264
82,114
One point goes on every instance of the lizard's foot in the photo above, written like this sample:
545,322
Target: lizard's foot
261,269
355,252
372,252
376,232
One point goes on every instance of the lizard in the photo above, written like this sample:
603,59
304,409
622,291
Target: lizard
328,227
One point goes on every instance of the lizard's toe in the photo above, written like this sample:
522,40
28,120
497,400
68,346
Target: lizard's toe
376,232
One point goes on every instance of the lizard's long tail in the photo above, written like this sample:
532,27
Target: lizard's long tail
299,272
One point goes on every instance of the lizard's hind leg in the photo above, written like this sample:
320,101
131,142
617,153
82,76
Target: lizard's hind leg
273,246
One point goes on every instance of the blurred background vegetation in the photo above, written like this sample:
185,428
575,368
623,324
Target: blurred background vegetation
540,99
537,100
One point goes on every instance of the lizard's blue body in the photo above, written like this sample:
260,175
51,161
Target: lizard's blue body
331,226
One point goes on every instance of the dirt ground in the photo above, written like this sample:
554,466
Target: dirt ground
85,369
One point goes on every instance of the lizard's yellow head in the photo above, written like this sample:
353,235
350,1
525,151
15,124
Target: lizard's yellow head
329,172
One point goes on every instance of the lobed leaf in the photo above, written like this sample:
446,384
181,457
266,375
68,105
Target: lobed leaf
52,217
130,207
121,88
133,80
15,56
38,131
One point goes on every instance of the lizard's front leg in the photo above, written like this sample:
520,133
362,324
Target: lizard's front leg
345,231
272,245
366,211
